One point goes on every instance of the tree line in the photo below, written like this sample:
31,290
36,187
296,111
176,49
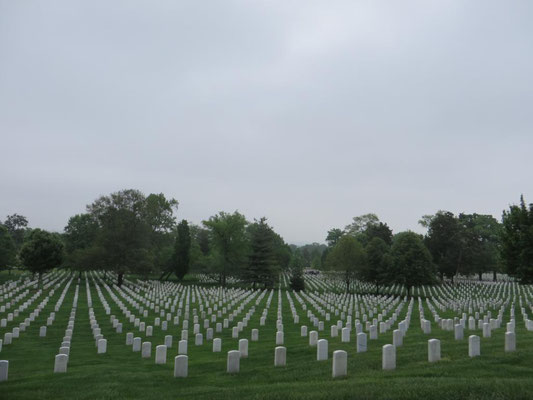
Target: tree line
127,232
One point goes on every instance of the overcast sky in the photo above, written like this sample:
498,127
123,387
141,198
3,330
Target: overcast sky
306,112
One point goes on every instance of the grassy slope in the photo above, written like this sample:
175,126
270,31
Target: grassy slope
123,374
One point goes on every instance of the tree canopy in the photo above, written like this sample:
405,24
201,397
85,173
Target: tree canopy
517,241
42,251
412,264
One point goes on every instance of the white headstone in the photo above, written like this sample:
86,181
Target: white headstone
345,335
182,347
136,344
334,331
234,357
243,347
389,357
340,363
373,332
459,332
161,354
279,338
474,346
433,350
486,330
313,338
199,339
217,345
102,346
280,356
60,364
361,342
181,364
510,342
322,350
8,338
397,338
4,369
146,350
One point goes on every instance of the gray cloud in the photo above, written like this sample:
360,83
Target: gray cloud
307,112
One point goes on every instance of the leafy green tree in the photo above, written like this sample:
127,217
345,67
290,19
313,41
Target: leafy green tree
182,250
481,242
412,264
378,230
201,259
263,266
158,213
41,252
8,250
368,226
360,223
229,241
296,267
134,234
348,256
466,244
517,241
131,200
333,236
311,253
80,237
282,252
80,232
202,238
124,235
125,239
445,243
377,269
17,226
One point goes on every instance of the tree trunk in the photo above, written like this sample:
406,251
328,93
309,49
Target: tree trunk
120,279
168,276
79,274
105,274
494,277
39,280
377,289
480,276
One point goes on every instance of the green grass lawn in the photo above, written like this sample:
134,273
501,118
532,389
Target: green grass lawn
123,374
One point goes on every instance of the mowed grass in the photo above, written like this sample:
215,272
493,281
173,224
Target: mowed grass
123,374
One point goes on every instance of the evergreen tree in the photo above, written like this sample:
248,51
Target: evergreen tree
182,250
517,241
296,267
7,248
263,267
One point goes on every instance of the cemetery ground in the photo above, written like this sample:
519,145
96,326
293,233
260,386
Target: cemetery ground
122,373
